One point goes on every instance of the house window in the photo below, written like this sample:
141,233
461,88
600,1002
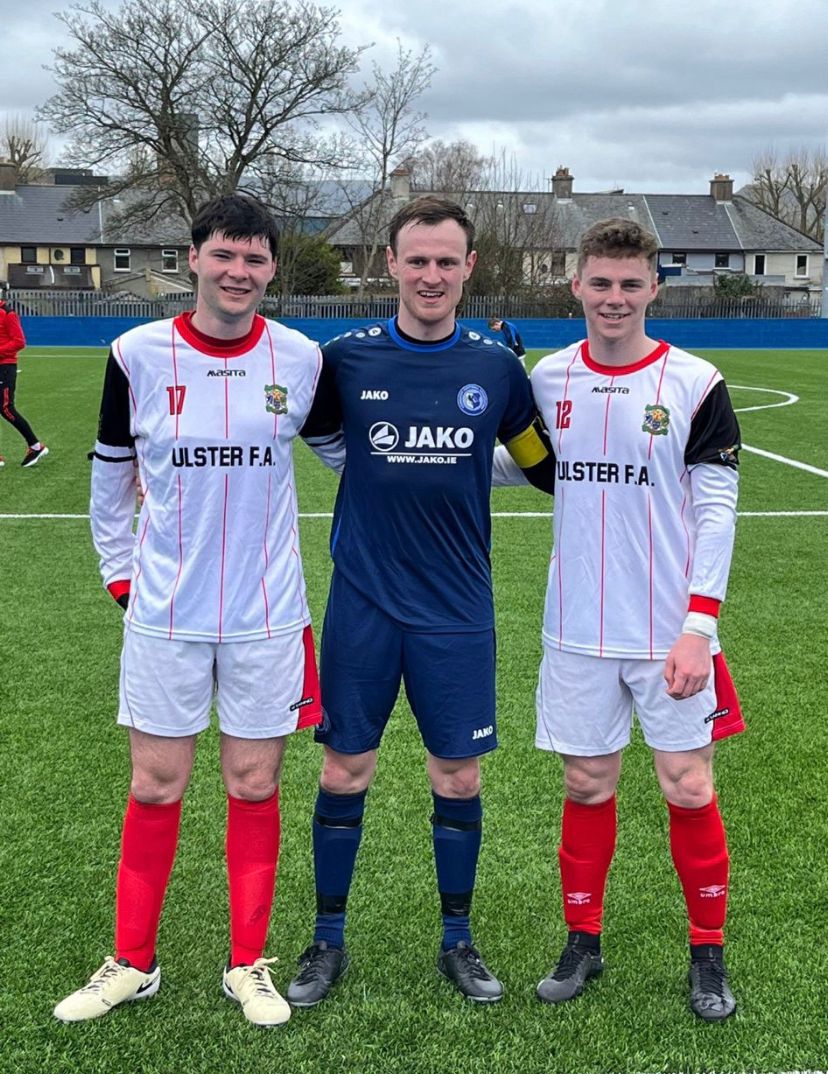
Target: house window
758,264
801,264
169,260
28,255
121,261
679,257
77,255
58,254
722,261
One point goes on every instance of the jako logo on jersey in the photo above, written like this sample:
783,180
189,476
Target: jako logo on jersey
482,732
383,436
226,373
374,393
425,437
712,891
578,898
275,399
656,419
472,399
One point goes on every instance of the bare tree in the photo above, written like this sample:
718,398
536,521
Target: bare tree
24,144
457,167
387,128
792,188
519,243
185,101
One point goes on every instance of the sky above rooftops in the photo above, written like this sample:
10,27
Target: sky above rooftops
649,95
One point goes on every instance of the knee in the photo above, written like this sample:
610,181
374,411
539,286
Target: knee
689,790
347,775
462,782
253,785
589,785
158,788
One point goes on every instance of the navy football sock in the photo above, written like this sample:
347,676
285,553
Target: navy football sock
337,830
457,828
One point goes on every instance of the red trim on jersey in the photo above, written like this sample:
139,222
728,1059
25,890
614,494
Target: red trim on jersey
566,389
603,562
118,589
727,719
266,556
218,348
705,605
310,715
684,525
273,377
175,378
223,554
180,551
226,406
652,566
704,394
606,416
134,592
658,400
621,370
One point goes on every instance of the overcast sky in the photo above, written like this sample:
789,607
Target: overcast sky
648,95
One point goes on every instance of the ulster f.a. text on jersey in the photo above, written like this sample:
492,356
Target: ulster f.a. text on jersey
645,490
411,525
215,556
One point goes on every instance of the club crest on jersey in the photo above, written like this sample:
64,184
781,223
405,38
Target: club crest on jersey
276,399
656,419
472,399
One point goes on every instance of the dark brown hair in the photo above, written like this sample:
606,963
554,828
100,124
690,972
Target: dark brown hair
430,210
617,237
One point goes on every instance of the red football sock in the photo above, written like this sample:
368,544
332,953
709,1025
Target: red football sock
252,854
699,848
585,855
148,842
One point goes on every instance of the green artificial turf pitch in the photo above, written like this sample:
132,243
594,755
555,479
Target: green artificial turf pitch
65,777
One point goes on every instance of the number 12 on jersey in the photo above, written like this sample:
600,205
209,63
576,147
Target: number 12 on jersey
563,413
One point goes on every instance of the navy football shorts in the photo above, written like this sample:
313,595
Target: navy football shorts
449,679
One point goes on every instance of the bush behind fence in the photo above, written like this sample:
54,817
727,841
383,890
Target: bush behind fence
41,303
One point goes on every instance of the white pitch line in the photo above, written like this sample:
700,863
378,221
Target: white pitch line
788,462
788,398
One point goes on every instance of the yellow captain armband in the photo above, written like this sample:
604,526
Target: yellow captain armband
530,447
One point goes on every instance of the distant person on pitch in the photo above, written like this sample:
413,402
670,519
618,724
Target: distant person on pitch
511,337
12,341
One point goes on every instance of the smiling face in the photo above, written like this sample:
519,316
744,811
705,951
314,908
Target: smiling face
431,264
233,275
615,293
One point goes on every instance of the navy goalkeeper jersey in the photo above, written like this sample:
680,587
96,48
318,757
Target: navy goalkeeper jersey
411,526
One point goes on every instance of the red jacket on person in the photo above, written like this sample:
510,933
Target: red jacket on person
12,340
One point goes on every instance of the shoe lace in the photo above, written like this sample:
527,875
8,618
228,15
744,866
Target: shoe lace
569,962
475,967
711,976
100,978
259,976
309,962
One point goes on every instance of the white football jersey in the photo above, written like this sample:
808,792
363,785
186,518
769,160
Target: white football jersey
625,526
215,556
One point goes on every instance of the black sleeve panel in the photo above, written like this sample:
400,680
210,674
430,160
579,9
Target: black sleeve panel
542,474
325,415
714,431
113,422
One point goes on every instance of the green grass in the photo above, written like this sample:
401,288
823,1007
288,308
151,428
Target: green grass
64,775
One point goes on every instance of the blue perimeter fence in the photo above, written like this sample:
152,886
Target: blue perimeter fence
730,333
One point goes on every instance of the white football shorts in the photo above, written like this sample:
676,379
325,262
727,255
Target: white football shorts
585,706
262,689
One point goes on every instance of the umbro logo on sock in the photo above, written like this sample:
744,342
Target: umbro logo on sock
712,891
578,898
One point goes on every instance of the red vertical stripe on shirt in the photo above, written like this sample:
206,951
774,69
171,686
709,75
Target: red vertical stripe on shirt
266,555
658,397
652,570
223,553
180,550
606,415
603,563
566,390
175,405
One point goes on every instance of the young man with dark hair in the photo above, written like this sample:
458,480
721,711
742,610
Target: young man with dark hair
12,341
646,445
212,587
419,401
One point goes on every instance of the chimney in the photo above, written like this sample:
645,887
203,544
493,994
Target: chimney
562,184
721,187
401,183
8,175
